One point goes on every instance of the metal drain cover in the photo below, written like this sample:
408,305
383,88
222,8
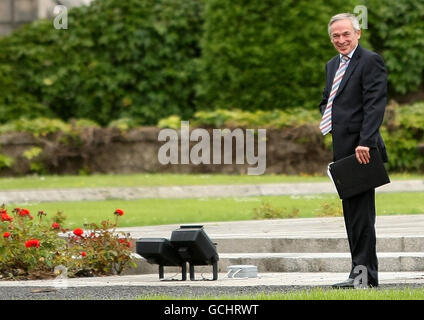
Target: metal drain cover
242,271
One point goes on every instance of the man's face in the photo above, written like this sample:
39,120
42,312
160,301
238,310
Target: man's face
343,36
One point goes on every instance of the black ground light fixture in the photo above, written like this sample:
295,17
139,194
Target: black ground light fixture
189,243
195,247
160,251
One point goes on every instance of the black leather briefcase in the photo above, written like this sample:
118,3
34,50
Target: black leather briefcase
352,178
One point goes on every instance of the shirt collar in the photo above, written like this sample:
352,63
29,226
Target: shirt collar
350,53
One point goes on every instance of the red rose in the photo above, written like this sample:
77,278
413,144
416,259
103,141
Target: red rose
23,212
55,225
78,232
32,243
125,242
6,234
119,212
6,217
83,254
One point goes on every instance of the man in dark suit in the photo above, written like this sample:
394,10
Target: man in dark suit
353,105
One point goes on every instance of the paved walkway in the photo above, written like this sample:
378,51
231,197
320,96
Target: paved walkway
408,226
245,190
293,279
131,287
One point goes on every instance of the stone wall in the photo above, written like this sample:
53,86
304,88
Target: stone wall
289,151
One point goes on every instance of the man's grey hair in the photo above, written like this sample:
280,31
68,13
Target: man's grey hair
344,16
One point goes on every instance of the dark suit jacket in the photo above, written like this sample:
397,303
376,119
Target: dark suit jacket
359,105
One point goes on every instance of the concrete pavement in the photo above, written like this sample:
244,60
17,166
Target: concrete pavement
241,190
271,279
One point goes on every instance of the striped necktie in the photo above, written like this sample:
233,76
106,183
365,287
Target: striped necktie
325,125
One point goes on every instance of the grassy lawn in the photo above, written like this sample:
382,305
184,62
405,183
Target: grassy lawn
137,180
169,211
313,294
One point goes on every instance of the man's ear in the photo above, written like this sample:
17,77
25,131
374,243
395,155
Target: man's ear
359,34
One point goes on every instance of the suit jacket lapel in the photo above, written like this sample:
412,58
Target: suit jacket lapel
351,67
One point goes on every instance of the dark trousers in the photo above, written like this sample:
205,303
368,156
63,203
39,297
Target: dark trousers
359,215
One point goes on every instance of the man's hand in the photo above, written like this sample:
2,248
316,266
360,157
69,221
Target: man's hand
362,154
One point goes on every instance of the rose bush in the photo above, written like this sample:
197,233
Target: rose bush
31,248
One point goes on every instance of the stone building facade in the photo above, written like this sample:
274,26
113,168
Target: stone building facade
15,13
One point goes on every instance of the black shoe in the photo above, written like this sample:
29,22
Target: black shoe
348,284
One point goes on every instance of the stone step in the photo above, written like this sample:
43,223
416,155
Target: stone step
300,245
395,233
296,262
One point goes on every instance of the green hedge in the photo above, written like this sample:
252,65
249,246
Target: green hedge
132,58
397,32
138,61
266,54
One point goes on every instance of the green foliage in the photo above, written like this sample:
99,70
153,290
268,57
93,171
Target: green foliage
35,163
221,118
118,59
32,153
267,211
397,32
5,161
173,122
402,135
265,55
41,127
330,209
38,127
80,124
16,102
123,124
145,60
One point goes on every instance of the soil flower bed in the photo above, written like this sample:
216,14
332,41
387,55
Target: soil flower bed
31,248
